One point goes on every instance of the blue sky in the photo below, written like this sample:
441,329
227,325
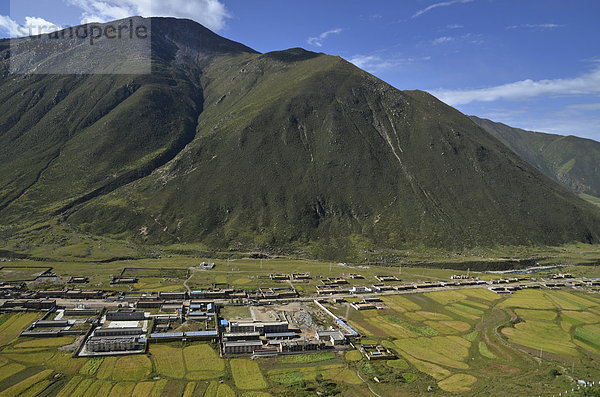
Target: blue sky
533,64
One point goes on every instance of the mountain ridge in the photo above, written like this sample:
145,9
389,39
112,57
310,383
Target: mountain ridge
570,160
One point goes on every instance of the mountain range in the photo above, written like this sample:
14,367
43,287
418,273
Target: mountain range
233,149
571,161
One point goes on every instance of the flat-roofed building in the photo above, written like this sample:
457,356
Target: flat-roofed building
51,324
125,315
149,303
260,327
118,331
172,295
233,336
114,343
241,347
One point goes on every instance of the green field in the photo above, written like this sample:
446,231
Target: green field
460,337
247,374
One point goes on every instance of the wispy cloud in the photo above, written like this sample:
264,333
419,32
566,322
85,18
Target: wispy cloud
454,26
585,84
33,26
318,41
442,40
583,107
211,13
539,26
440,4
377,63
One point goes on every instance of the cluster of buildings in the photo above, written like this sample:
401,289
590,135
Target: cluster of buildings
261,338
120,331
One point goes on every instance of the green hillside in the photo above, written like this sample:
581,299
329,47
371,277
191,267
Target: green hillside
288,150
572,161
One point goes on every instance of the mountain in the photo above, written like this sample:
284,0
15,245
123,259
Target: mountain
233,149
571,161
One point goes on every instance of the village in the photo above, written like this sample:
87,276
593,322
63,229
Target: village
265,321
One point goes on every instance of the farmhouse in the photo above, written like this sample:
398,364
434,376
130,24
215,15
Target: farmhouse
78,280
124,280
363,306
333,336
34,304
359,290
206,266
149,303
301,276
173,295
386,279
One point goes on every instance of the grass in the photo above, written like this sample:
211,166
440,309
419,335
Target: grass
9,370
143,389
307,358
247,374
91,366
12,327
541,334
353,355
21,387
485,351
435,371
532,314
528,299
447,351
588,337
202,362
133,367
122,389
168,361
458,383
397,364
225,391
189,389
578,318
446,297
400,303
46,342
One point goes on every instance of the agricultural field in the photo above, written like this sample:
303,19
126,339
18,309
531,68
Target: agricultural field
10,274
464,342
31,366
469,340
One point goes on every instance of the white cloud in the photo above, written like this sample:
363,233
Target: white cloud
211,13
318,41
9,25
539,26
455,26
33,26
437,5
442,40
376,63
586,84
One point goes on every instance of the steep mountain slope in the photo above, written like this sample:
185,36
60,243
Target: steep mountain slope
231,148
572,161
